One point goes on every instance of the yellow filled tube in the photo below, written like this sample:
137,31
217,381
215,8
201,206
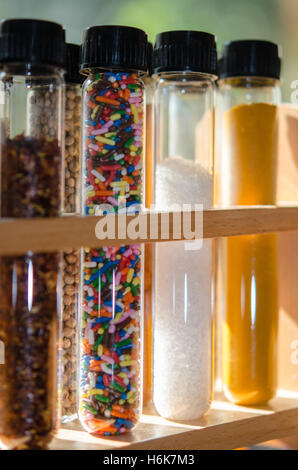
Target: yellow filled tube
251,299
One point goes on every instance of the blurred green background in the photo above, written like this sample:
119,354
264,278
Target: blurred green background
276,20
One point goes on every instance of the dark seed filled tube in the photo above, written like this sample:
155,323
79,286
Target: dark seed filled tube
31,155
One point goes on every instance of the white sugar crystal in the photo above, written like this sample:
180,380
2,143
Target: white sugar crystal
182,181
183,302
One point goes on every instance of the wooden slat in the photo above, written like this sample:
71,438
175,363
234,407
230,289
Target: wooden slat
287,191
18,236
225,426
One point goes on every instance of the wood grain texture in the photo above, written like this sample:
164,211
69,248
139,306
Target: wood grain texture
18,236
287,193
225,426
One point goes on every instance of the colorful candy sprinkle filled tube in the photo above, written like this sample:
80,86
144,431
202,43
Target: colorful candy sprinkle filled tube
246,174
32,58
185,68
110,326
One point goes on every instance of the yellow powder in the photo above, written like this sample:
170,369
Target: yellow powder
251,302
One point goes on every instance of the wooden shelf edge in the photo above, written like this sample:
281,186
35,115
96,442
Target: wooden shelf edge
18,236
225,426
227,436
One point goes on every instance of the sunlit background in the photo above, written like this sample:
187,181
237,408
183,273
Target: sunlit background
276,20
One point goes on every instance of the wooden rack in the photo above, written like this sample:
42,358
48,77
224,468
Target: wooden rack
17,236
225,426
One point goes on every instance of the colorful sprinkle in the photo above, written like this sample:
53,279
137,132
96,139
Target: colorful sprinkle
110,327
